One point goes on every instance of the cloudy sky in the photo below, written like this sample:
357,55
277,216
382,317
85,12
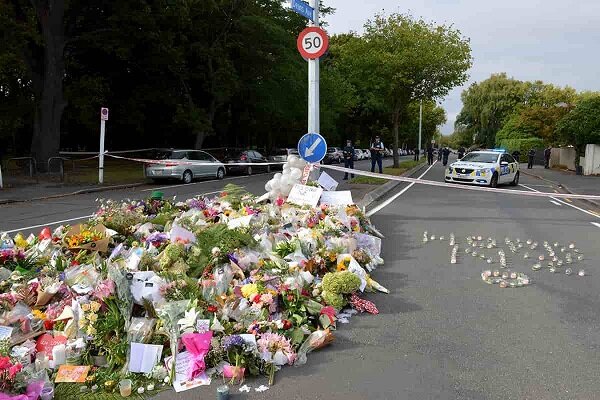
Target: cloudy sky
557,41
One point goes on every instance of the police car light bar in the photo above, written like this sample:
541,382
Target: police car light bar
498,150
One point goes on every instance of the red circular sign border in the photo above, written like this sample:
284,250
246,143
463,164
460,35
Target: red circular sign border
320,53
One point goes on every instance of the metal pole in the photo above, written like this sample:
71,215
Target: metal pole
1,183
420,124
313,82
101,155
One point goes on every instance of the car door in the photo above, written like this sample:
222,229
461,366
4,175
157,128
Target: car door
260,159
505,169
210,165
196,169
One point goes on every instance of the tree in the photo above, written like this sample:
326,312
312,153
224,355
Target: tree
581,126
399,60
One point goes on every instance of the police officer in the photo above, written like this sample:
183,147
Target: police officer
516,155
461,152
547,154
416,155
530,157
440,152
430,154
377,154
348,157
445,154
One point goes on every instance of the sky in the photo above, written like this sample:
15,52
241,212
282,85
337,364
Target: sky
556,41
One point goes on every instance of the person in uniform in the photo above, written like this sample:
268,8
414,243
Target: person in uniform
348,157
530,157
377,154
547,155
516,155
416,154
461,152
430,155
440,152
445,155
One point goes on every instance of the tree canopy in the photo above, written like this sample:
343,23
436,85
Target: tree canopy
399,60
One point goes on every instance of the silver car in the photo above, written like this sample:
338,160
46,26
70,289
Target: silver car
185,165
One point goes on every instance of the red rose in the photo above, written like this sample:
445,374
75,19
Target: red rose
48,324
286,324
211,309
256,298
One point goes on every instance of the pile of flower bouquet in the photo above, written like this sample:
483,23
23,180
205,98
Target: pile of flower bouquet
157,292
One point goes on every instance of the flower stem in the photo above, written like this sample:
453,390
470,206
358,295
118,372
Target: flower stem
272,375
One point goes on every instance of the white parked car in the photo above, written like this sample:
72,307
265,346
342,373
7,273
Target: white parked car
184,165
366,153
484,168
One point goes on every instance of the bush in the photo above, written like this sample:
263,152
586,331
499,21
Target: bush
522,145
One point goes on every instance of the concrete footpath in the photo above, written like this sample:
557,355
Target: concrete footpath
568,181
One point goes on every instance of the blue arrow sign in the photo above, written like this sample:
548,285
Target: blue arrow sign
312,147
303,9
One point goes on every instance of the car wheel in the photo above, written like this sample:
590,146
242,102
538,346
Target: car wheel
494,181
249,170
220,173
188,177
515,181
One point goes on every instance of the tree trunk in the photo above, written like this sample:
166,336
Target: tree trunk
46,135
396,125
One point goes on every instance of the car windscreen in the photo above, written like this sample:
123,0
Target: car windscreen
487,158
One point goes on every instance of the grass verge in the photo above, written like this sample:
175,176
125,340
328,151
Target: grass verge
403,167
116,172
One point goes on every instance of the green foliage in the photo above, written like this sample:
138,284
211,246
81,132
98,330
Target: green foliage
218,235
344,282
400,59
528,108
581,126
523,145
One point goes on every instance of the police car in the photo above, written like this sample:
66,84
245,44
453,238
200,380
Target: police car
484,168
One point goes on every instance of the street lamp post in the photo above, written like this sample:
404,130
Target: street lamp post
313,81
420,125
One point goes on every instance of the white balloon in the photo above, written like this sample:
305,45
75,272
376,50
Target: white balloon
269,185
286,171
292,157
296,173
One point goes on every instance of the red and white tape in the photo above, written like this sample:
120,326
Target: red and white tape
462,187
178,162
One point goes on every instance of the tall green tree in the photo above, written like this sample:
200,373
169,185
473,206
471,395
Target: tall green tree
400,59
581,126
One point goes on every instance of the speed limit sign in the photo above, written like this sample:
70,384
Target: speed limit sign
313,42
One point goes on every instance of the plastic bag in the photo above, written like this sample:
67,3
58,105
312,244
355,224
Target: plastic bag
316,340
223,277
146,285
82,278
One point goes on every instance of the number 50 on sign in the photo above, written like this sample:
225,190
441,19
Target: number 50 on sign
312,43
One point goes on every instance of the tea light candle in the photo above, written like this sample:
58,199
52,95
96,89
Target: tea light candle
59,355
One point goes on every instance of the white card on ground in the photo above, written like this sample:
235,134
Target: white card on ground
5,332
144,357
341,198
182,365
303,195
327,182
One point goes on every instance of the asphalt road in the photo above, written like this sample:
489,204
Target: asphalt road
30,216
442,333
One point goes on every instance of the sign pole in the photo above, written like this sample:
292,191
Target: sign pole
101,155
420,124
103,119
1,183
313,80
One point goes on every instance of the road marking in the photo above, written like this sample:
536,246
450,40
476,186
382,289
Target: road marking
555,203
562,202
569,200
388,201
596,224
48,224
